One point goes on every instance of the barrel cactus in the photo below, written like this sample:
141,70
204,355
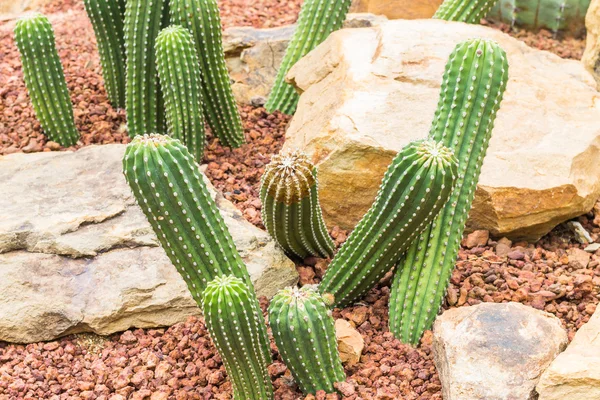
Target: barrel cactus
469,11
235,327
179,75
290,206
107,18
472,89
317,19
45,79
304,332
414,189
202,18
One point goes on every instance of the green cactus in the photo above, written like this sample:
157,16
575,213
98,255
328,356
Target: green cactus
45,79
472,89
144,103
555,15
202,18
304,332
317,19
290,206
414,189
179,75
469,11
107,18
236,327
168,186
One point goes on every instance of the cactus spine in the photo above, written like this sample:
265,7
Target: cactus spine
290,206
317,19
179,75
472,89
45,79
107,19
202,18
236,327
304,332
469,11
414,188
168,187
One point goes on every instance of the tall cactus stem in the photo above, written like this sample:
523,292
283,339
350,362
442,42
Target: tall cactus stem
469,11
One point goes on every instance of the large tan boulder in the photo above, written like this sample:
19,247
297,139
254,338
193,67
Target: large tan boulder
10,9
591,55
397,9
368,92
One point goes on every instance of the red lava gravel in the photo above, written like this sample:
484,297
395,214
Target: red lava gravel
179,362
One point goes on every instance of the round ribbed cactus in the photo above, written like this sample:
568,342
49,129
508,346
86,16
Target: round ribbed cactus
179,74
202,18
235,327
472,89
317,19
469,11
304,332
45,79
290,206
169,188
415,187
107,19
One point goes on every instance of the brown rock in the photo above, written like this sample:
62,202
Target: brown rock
478,238
350,342
503,247
578,258
397,9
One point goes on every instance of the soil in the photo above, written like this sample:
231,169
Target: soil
180,362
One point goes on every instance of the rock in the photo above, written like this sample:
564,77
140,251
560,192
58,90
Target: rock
597,213
10,9
494,350
591,55
78,255
367,92
578,258
592,248
350,342
503,247
575,373
397,9
478,238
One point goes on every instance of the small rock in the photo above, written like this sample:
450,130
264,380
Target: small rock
578,258
350,342
516,255
345,388
478,238
503,247
306,275
592,248
128,338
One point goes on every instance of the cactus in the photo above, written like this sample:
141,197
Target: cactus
45,79
290,206
179,75
317,19
469,11
415,187
236,327
202,18
304,332
168,187
144,103
472,89
107,19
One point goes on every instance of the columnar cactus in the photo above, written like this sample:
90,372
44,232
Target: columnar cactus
236,327
179,75
414,189
472,89
317,19
202,18
145,109
290,206
469,11
107,19
304,332
45,79
168,186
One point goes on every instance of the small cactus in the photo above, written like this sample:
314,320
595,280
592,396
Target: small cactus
414,189
317,19
304,332
236,327
290,206
472,89
45,79
469,11
179,75
202,18
107,18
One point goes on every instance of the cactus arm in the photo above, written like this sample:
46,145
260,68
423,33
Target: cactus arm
471,93
469,11
202,18
45,79
317,19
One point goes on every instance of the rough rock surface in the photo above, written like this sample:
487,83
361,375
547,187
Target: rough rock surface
12,8
397,9
575,373
591,55
494,351
77,253
350,342
368,92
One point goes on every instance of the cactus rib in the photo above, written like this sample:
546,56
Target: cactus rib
469,11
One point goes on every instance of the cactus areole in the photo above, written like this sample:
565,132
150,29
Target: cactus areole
469,11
